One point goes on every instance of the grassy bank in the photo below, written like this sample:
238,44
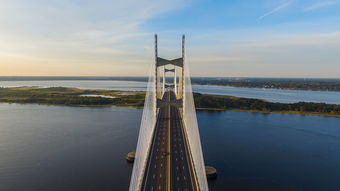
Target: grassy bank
71,96
221,102
273,83
85,97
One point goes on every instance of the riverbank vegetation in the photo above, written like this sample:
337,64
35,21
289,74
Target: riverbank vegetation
221,102
71,96
87,97
292,84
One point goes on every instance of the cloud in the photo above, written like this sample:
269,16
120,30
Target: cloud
320,5
107,37
268,54
276,9
77,33
220,59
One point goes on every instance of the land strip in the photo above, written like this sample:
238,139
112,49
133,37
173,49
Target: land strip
95,98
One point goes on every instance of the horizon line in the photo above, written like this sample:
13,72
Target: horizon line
93,76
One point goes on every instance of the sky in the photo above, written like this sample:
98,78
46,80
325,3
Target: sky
224,38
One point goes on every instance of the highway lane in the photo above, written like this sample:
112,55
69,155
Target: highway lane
156,173
183,177
169,164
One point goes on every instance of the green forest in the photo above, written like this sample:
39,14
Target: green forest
234,103
70,96
293,84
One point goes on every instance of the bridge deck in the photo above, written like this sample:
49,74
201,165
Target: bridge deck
169,164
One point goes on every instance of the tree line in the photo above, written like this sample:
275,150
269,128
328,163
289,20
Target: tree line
228,102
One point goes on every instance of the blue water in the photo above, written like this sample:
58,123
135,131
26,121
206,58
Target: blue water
255,151
273,95
78,148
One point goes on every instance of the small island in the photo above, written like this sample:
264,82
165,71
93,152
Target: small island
102,98
71,96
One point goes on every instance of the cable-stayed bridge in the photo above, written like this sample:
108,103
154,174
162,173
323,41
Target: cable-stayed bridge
169,154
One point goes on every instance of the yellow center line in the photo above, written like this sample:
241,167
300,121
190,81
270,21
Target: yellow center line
190,156
168,151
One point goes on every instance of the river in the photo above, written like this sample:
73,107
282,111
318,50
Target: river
81,148
272,95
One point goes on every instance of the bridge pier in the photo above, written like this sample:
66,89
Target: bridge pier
211,172
130,157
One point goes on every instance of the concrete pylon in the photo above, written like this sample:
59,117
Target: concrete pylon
175,81
163,80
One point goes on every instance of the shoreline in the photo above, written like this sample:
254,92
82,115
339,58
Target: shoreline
270,112
72,97
197,109
305,84
269,88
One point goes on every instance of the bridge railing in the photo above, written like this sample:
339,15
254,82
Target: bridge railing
191,126
145,133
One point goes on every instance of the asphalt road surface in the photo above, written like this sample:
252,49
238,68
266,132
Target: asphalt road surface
169,164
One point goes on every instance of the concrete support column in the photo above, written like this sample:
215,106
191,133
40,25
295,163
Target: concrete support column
158,84
164,80
180,84
175,81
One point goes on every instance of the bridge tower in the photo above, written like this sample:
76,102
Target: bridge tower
165,66
157,86
161,69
